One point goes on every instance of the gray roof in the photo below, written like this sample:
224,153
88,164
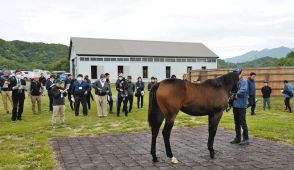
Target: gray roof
97,46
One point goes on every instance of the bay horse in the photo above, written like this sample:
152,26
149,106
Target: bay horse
170,96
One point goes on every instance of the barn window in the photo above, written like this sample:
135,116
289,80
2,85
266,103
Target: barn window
194,59
179,60
106,59
113,59
167,59
167,72
184,60
138,59
145,71
133,59
82,59
120,69
144,59
99,59
126,59
94,72
201,60
156,59
87,59
120,59
93,59
150,59
189,60
161,59
173,60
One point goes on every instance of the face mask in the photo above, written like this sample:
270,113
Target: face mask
152,81
18,76
79,79
140,80
120,78
51,80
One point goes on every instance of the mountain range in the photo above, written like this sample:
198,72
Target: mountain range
253,55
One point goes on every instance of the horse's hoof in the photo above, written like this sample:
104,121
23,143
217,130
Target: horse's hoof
155,160
212,154
174,160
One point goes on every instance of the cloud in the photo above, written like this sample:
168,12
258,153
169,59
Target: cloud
228,27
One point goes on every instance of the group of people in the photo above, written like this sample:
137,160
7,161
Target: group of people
245,96
78,91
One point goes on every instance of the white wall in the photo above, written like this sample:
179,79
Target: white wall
135,69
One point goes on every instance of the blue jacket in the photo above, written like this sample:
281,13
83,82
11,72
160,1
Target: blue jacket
251,87
79,89
242,94
288,91
49,86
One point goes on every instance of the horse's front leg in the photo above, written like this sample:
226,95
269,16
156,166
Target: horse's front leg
212,128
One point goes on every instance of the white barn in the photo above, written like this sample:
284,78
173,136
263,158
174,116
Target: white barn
93,56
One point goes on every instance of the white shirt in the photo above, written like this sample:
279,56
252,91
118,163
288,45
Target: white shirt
102,83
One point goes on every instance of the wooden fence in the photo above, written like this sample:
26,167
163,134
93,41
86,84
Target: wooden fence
274,75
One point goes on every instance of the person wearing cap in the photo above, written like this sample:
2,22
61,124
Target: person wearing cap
58,93
79,92
122,88
140,92
49,84
18,95
288,94
151,84
35,91
173,76
69,84
252,92
130,91
266,91
6,89
109,96
89,95
102,89
239,110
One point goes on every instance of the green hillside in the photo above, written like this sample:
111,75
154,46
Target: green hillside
28,56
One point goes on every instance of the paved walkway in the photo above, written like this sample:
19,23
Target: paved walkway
131,151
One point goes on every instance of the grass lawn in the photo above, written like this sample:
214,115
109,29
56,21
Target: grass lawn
26,144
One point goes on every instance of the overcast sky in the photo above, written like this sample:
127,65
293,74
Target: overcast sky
228,27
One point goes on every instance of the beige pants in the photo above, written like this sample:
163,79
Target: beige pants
61,110
6,95
35,99
101,102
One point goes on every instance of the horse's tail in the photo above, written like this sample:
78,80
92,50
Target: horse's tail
153,110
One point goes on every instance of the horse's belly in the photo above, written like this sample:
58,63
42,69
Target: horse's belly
194,111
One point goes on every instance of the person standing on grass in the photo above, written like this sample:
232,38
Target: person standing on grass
58,93
68,84
152,83
102,89
252,92
6,89
140,92
288,94
42,79
79,92
36,91
266,91
49,84
239,110
122,95
109,96
89,95
130,91
18,95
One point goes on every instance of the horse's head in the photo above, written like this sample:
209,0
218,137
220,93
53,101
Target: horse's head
235,79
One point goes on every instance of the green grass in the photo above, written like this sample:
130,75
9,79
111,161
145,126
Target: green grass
26,144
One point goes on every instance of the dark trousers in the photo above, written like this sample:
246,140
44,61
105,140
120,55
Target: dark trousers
50,102
110,102
71,103
89,96
240,121
123,100
130,99
83,100
287,104
251,101
140,99
18,101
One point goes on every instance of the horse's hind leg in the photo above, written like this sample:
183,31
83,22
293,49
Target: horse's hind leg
166,136
213,123
155,129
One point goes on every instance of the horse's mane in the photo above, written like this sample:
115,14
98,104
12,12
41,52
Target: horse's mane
221,81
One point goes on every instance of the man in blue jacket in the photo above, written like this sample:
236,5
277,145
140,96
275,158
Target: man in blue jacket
288,94
79,92
239,110
252,92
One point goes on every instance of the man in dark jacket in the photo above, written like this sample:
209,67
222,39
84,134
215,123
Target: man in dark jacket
252,92
6,89
49,84
151,84
42,80
58,93
130,91
122,88
109,97
69,84
89,95
35,91
79,92
266,94
102,89
18,95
